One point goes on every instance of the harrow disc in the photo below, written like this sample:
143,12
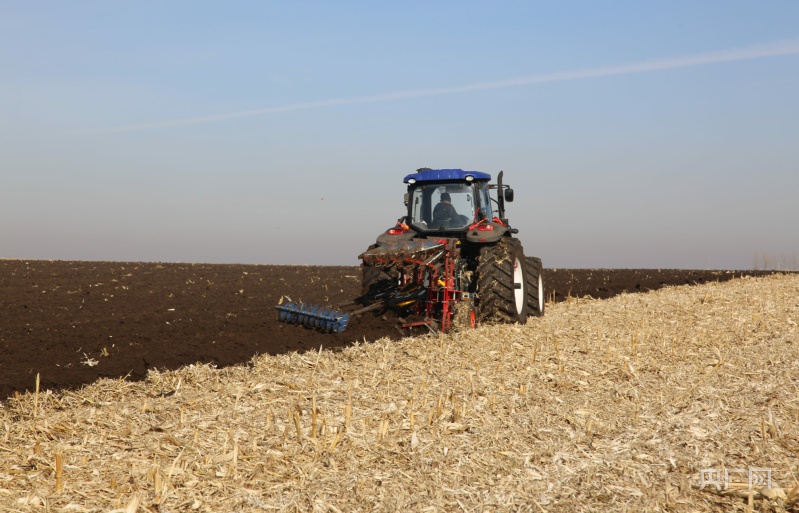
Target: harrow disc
328,320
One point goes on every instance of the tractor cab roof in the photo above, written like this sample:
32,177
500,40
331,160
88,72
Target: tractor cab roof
441,175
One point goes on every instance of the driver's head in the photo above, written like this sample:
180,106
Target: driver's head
445,197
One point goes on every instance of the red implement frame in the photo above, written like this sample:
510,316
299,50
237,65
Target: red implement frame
437,275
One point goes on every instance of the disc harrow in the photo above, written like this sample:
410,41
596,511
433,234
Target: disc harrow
328,320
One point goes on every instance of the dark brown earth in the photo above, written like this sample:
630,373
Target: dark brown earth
74,322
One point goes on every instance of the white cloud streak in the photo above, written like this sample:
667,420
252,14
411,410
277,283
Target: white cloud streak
774,49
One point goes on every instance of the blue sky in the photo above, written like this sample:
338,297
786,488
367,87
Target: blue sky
635,134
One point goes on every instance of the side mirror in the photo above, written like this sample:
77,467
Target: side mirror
406,199
508,194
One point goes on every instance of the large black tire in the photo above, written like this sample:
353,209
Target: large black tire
535,287
502,283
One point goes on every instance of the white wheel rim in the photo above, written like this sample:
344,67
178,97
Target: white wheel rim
518,285
540,292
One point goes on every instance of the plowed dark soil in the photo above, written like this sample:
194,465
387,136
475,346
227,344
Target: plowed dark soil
73,322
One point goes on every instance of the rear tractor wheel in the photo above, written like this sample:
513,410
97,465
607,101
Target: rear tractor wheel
502,283
535,287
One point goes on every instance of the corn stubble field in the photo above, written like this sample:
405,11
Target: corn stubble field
601,405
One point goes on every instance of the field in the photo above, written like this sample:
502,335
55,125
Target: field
601,405
59,318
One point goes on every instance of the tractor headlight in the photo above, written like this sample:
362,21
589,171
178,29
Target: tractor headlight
411,181
469,178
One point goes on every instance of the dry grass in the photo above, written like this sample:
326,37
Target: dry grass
600,406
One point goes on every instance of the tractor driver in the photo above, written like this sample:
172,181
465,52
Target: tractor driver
444,213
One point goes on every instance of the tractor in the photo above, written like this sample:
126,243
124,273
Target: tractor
450,263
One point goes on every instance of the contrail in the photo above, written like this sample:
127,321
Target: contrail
774,49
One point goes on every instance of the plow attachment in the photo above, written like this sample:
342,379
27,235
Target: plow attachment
426,279
416,252
422,283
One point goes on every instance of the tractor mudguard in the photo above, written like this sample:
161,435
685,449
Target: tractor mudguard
486,237
387,238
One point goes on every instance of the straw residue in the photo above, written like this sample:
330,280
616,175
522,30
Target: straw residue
598,406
